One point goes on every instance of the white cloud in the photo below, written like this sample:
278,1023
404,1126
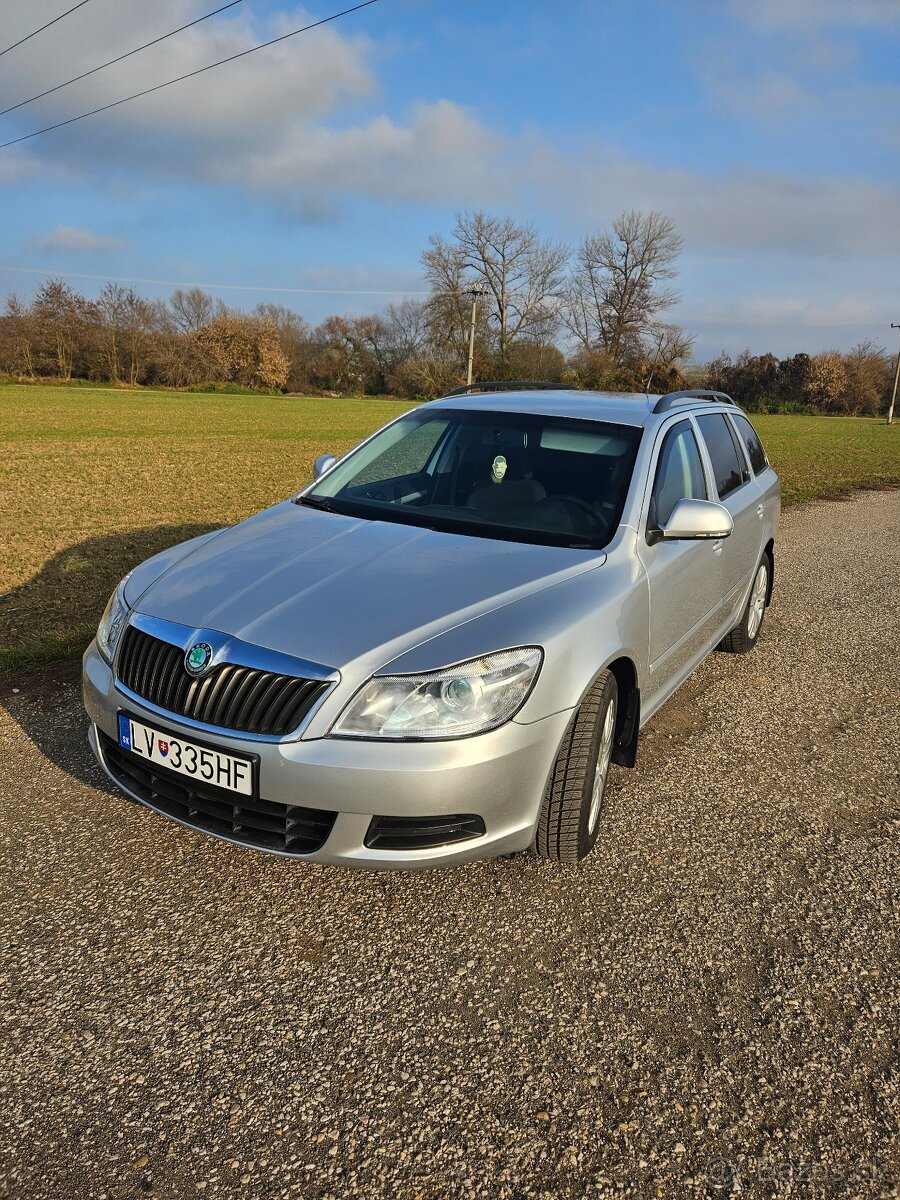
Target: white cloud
809,15
772,96
847,310
746,210
374,278
67,238
17,166
844,312
441,155
299,124
784,325
285,123
797,66
246,101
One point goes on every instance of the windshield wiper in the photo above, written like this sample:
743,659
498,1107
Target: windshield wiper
316,502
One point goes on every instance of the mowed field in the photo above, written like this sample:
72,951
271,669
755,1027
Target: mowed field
94,481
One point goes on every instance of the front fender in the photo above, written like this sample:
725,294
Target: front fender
582,624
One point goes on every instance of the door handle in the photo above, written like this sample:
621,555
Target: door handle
760,511
717,548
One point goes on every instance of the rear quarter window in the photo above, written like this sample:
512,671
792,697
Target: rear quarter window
750,438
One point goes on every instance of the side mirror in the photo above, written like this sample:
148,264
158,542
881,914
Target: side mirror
322,464
692,520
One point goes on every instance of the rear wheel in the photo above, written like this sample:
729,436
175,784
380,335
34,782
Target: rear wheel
573,801
744,636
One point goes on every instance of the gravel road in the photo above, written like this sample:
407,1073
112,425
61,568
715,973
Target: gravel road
707,1007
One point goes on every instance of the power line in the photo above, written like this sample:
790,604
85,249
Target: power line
112,61
190,74
43,27
298,291
231,287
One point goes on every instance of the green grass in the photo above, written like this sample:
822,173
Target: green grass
94,480
826,457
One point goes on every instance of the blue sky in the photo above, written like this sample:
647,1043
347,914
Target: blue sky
313,172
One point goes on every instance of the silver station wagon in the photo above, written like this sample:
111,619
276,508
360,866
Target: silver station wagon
435,651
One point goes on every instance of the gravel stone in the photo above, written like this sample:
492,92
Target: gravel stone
708,1006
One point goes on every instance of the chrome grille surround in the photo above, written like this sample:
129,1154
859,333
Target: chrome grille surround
260,694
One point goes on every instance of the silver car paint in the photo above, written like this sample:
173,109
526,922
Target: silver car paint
346,593
361,598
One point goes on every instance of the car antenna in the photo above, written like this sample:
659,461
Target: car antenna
652,369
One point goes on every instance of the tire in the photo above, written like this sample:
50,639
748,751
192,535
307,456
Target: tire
570,810
745,635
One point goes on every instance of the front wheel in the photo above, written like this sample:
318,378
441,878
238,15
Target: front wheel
744,636
573,801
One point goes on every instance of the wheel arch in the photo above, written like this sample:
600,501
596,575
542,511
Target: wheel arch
628,717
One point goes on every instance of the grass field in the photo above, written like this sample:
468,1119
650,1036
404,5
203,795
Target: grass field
94,481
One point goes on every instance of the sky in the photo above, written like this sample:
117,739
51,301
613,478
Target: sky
313,172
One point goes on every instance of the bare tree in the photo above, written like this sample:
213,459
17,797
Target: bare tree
407,328
827,383
336,366
111,303
128,332
17,338
63,325
868,370
666,346
616,290
192,309
138,335
448,306
523,275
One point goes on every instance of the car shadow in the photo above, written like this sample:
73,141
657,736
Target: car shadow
58,608
54,614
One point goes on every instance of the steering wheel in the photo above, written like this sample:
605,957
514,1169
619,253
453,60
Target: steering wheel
578,503
377,493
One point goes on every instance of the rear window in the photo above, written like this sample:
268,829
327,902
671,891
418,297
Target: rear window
727,466
755,451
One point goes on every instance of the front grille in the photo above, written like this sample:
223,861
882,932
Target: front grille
287,828
420,833
245,699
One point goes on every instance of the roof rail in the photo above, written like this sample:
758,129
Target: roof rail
507,385
664,403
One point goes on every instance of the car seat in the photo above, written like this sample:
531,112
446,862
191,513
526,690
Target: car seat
515,490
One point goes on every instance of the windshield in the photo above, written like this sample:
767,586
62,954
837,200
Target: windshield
527,478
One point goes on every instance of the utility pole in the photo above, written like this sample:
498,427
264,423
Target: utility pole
475,291
896,377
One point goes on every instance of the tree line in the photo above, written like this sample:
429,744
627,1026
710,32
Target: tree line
590,316
856,383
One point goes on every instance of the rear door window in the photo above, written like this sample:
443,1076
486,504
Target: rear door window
757,455
728,468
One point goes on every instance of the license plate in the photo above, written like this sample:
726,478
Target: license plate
186,757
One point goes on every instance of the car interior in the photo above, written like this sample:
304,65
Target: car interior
560,477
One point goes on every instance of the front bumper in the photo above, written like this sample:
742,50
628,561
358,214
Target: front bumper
498,776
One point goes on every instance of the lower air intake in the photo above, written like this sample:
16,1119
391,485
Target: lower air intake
421,833
285,828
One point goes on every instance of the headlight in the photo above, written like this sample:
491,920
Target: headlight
471,697
113,620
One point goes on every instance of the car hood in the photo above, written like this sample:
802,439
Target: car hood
336,590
